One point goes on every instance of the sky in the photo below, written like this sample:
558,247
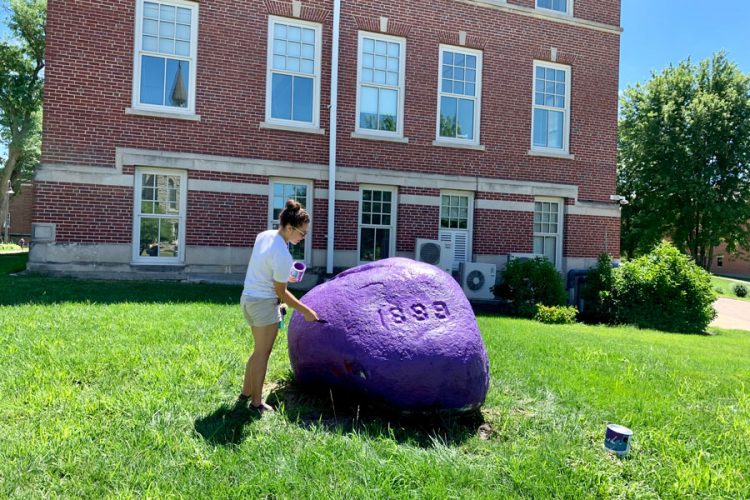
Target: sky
658,33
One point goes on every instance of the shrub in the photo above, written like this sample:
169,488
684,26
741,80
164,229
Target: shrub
597,292
740,290
556,315
9,247
664,290
526,283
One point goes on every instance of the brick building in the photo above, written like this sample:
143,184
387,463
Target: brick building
735,264
175,130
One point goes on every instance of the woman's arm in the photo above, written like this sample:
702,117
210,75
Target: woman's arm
286,296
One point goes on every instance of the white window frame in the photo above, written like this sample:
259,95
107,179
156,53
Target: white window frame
308,208
566,115
138,189
401,88
477,98
193,59
560,230
469,223
394,222
315,124
568,8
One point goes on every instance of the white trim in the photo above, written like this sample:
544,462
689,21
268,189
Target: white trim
392,226
315,123
560,230
290,128
445,144
546,15
139,108
161,114
371,137
135,243
400,88
506,206
469,222
565,150
568,9
550,154
445,141
308,208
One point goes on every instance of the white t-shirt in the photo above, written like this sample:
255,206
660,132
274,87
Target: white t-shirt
269,262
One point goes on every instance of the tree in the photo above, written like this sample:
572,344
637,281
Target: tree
684,159
21,85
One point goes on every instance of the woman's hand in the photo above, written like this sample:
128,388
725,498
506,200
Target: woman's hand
310,315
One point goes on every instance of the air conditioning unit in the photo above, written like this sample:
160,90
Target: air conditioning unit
477,278
437,253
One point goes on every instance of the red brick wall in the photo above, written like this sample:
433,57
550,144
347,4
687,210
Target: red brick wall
588,236
733,265
416,221
21,211
89,84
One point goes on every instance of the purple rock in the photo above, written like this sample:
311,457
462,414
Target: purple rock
398,332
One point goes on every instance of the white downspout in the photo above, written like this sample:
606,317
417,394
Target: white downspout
332,136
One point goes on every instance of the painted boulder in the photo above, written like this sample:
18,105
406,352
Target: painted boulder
397,332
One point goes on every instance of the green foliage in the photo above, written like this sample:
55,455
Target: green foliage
664,290
526,283
556,315
12,263
21,87
9,247
684,159
740,290
597,292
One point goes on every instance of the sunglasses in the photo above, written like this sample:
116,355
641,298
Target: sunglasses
303,233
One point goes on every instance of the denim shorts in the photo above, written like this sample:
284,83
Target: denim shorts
260,312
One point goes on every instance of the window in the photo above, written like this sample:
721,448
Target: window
159,223
550,120
460,82
548,230
561,6
380,85
301,191
456,212
165,52
377,224
293,78
719,261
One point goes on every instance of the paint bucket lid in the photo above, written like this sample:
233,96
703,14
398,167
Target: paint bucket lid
299,266
619,429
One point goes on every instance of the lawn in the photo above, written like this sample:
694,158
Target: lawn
127,390
724,287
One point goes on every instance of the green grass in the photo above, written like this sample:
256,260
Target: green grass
724,287
126,389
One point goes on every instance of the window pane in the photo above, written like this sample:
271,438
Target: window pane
539,245
465,121
178,83
303,99
184,16
382,243
151,10
555,137
281,96
388,109
152,80
540,127
367,244
368,104
168,234
448,116
549,248
149,242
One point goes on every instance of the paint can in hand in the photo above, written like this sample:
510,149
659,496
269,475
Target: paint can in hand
297,272
617,439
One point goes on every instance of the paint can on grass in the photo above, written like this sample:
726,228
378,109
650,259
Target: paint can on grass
297,272
617,439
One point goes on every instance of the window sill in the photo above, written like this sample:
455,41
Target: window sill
163,114
373,137
292,128
550,154
136,264
475,147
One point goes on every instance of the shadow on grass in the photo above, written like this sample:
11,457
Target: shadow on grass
38,289
226,424
342,413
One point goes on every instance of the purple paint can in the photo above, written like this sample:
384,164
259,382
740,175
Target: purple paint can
297,272
617,439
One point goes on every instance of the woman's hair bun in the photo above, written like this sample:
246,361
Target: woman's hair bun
293,205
